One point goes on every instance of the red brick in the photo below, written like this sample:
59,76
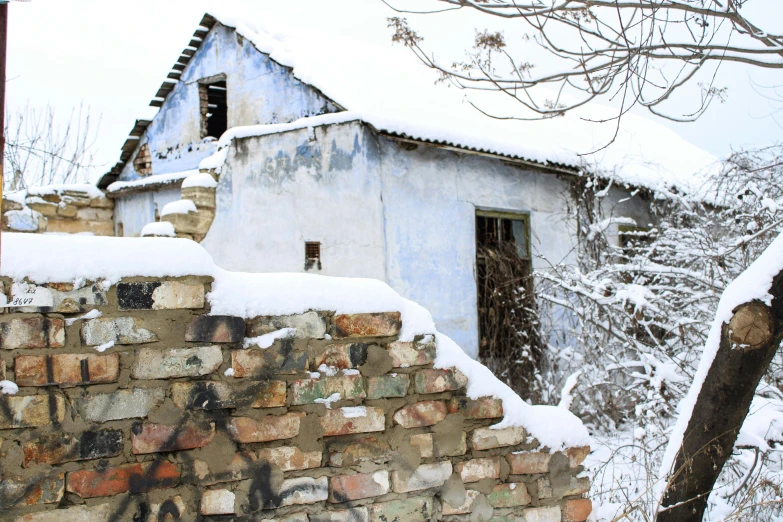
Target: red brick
437,381
420,414
154,438
67,369
32,332
345,488
529,462
577,510
133,478
482,408
359,419
342,356
385,324
30,491
351,453
289,458
479,469
57,448
269,394
271,427
577,455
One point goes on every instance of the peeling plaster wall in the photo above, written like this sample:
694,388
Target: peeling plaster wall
133,212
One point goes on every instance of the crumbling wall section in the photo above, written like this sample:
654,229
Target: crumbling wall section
68,209
134,403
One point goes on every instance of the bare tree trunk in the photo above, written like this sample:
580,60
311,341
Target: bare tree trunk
748,344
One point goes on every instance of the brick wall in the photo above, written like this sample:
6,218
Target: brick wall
176,420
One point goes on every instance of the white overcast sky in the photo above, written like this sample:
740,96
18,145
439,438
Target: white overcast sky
113,55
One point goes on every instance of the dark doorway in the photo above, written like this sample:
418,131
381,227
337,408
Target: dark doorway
214,108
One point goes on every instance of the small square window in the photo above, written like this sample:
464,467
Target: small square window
312,254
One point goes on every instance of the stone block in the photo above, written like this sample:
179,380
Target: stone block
271,427
119,330
309,391
70,301
385,324
425,476
215,329
345,488
269,394
32,332
66,369
77,226
202,197
303,490
281,358
479,469
470,497
420,414
350,420
438,381
482,408
356,514
118,405
9,204
412,509
439,445
341,356
157,511
94,214
154,363
31,411
577,510
579,486
412,354
31,491
309,325
131,478
296,517
195,223
102,202
391,385
160,295
488,438
242,466
67,211
156,438
289,458
509,495
45,208
202,395
544,487
217,502
528,462
369,449
577,455
24,221
97,513
542,514
60,447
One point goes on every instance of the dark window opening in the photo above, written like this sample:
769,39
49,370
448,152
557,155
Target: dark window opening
213,98
508,336
312,255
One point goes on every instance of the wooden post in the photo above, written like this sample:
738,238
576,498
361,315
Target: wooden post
747,345
3,47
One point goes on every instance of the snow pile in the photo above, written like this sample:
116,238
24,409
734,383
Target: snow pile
267,340
199,180
157,179
87,189
181,206
159,228
8,388
109,259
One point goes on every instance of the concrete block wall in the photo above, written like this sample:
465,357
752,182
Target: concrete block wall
134,404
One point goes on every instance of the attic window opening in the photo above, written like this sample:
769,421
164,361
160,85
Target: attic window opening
312,255
213,98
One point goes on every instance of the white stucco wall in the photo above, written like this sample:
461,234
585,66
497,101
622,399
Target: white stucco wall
133,212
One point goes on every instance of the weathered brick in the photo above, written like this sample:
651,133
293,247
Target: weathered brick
412,509
296,517
217,502
303,490
31,411
509,495
465,507
369,449
155,438
32,332
391,385
31,491
119,330
579,486
577,455
69,301
98,513
544,487
289,458
66,369
356,514
216,329
94,214
482,408
479,469
154,363
202,395
160,295
281,358
271,427
164,510
412,354
424,477
528,462
133,478
355,487
308,391
385,324
358,419
542,514
62,447
341,356
488,438
121,404
577,510
309,325
437,381
420,414
242,466
269,394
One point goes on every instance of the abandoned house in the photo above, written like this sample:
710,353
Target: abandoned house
312,153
